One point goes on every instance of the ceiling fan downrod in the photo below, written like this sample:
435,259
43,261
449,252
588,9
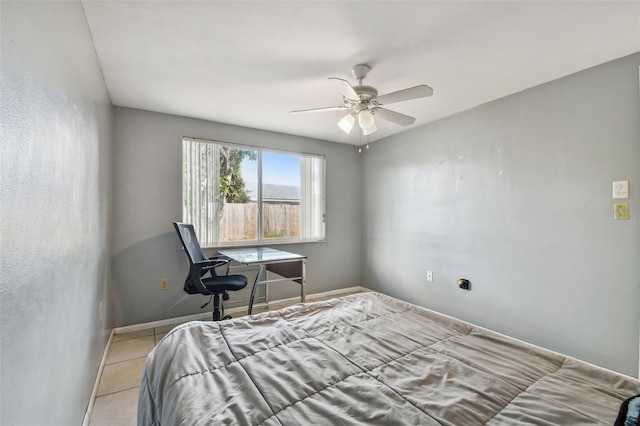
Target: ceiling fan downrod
365,93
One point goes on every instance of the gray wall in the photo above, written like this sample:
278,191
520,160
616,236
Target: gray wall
54,213
148,198
516,195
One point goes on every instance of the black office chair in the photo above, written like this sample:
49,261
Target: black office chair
202,277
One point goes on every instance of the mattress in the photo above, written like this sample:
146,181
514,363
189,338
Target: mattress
367,359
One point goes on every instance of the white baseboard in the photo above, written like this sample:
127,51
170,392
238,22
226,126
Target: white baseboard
92,400
207,315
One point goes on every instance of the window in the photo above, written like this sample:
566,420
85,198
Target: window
236,194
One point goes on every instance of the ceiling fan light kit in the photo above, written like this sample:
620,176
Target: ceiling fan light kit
346,123
365,119
368,130
365,102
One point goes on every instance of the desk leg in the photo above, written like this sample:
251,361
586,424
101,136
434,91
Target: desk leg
304,280
255,286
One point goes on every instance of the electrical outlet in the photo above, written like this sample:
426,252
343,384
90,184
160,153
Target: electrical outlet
164,284
429,276
621,211
100,311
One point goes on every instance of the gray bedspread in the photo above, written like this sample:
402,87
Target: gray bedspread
367,359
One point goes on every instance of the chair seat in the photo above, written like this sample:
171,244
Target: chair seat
218,284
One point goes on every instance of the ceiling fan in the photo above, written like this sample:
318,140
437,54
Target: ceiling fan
366,104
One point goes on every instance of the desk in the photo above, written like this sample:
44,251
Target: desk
289,265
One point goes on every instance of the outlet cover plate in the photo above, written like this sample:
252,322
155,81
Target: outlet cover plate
621,211
164,284
620,189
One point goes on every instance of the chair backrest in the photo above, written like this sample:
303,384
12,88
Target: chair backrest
189,241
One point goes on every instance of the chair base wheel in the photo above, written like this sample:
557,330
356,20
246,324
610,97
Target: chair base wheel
226,317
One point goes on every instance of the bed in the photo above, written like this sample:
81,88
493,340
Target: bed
367,359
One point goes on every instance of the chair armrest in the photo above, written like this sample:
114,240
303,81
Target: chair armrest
200,269
211,264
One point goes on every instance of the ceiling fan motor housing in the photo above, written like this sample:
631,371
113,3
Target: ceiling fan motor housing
366,93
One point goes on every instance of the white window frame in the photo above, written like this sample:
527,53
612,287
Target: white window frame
313,224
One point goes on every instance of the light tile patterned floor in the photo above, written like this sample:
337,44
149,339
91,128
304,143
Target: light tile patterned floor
117,398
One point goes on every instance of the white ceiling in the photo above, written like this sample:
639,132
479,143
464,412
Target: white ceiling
250,63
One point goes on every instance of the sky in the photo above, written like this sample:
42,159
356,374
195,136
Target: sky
277,168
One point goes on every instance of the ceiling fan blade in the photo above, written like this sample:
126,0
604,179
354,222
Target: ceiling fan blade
345,88
405,95
305,111
394,117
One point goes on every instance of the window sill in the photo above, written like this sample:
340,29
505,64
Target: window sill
263,243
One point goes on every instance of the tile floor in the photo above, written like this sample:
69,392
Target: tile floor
117,398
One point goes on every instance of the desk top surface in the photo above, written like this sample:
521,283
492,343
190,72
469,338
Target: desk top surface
259,255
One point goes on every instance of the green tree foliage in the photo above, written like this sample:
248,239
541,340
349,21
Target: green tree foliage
232,186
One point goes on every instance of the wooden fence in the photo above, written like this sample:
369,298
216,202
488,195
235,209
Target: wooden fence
240,221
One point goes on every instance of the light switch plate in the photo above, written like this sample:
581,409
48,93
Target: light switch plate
621,210
620,189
